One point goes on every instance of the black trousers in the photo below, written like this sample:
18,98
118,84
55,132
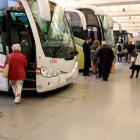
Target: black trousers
100,71
133,70
86,65
106,70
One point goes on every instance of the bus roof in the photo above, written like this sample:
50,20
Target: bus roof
96,10
82,16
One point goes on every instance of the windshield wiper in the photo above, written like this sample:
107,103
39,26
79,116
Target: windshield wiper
57,52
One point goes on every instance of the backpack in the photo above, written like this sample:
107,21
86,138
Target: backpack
119,48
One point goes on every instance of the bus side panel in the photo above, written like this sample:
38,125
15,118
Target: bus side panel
4,86
80,58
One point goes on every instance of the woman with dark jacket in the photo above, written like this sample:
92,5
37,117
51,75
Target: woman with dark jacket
130,49
17,65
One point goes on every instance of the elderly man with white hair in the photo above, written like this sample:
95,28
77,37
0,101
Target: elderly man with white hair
17,64
106,56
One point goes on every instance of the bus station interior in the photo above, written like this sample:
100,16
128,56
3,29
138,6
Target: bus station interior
88,108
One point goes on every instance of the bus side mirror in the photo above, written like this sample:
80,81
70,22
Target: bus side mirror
44,9
76,52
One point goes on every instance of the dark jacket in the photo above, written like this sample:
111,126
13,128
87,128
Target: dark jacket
130,48
106,55
86,49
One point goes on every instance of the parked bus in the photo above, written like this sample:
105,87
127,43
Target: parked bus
124,37
53,62
77,21
99,26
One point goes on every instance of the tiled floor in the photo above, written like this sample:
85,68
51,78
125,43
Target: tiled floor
88,109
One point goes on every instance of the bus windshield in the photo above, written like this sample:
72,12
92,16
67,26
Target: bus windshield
107,29
55,36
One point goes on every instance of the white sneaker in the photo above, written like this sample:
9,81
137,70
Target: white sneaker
17,101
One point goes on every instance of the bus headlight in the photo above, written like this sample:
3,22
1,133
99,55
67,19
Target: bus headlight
48,73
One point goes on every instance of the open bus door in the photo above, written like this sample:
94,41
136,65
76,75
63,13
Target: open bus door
4,84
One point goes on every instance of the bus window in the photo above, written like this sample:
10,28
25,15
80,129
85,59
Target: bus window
107,29
55,36
78,32
2,43
76,25
2,34
1,46
19,17
93,24
93,32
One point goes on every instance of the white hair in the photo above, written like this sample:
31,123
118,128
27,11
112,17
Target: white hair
16,47
103,43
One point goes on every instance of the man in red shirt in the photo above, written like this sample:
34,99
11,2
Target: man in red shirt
17,65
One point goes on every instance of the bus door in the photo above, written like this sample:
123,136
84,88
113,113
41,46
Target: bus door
94,29
4,85
17,26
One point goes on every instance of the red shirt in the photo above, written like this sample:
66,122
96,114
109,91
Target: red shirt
17,65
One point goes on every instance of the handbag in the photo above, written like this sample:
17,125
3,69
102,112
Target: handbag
132,59
138,60
6,69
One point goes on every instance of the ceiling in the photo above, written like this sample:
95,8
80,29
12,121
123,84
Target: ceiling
126,12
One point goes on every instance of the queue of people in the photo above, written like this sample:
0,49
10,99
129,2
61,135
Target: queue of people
131,56
100,57
124,51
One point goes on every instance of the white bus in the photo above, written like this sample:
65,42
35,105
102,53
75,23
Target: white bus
53,62
99,26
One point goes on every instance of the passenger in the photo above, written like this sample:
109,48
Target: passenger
125,52
25,45
99,65
106,58
86,51
119,49
93,48
17,64
135,67
130,49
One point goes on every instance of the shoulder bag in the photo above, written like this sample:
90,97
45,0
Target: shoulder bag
6,69
138,60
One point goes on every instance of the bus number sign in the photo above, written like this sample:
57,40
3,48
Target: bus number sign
53,61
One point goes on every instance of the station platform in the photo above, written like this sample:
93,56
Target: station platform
87,109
